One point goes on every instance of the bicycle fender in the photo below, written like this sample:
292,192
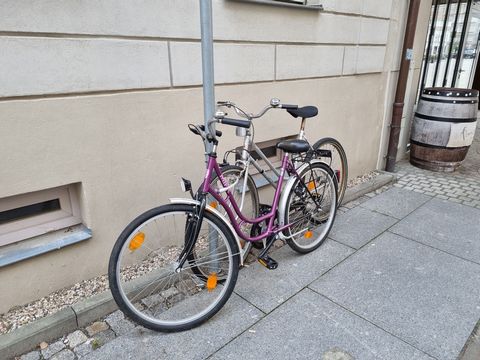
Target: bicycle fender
214,211
288,187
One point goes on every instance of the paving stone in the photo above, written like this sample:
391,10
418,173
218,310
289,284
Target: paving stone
96,327
118,323
309,327
234,318
396,202
103,337
52,349
76,338
447,226
359,226
424,296
33,355
84,349
64,355
294,272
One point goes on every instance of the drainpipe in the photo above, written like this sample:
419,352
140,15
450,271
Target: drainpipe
407,55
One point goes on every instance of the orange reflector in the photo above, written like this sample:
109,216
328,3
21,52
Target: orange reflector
308,234
212,281
137,241
214,204
311,185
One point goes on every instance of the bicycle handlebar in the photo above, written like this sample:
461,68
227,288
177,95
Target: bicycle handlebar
274,104
220,117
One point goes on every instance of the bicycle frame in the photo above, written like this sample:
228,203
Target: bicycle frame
236,213
248,159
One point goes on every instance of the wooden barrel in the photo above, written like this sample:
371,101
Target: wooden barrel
443,128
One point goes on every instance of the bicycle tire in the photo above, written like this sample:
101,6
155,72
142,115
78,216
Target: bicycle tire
305,213
341,164
186,292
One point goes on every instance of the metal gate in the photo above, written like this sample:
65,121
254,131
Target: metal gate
451,53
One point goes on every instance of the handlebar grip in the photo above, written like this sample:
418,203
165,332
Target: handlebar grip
289,107
236,122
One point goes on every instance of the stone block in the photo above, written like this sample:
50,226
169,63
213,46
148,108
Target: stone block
294,272
447,226
310,326
421,295
236,317
39,65
359,226
396,203
304,61
233,63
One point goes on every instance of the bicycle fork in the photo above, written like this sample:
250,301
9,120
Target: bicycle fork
192,230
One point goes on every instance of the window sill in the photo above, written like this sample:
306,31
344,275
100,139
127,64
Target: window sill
26,249
283,4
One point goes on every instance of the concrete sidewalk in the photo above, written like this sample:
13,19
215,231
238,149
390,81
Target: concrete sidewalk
399,278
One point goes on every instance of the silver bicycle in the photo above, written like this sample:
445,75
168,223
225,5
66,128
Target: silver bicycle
327,150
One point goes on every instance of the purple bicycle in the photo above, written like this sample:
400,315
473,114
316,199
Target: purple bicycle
175,266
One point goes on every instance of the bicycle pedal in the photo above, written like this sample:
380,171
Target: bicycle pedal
268,262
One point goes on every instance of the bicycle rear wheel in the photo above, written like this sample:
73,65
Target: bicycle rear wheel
144,274
311,208
337,162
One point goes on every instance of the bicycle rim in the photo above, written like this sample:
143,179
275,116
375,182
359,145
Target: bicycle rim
311,208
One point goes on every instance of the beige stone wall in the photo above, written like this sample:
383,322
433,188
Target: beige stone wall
100,93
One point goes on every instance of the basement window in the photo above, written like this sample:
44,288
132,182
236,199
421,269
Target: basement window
37,213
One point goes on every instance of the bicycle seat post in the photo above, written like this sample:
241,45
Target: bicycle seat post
301,134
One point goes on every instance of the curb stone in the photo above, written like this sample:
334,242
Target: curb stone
27,337
384,178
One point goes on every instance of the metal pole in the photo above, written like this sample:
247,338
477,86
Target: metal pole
442,37
454,33
461,43
208,102
430,38
207,64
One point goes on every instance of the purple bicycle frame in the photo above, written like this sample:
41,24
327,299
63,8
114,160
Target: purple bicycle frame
271,229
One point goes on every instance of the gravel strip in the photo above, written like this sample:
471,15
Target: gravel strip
22,315
362,178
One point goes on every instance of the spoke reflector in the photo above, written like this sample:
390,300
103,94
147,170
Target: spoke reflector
311,185
214,204
212,281
137,241
308,234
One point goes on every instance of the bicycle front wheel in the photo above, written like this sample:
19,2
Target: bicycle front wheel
147,282
311,208
337,160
